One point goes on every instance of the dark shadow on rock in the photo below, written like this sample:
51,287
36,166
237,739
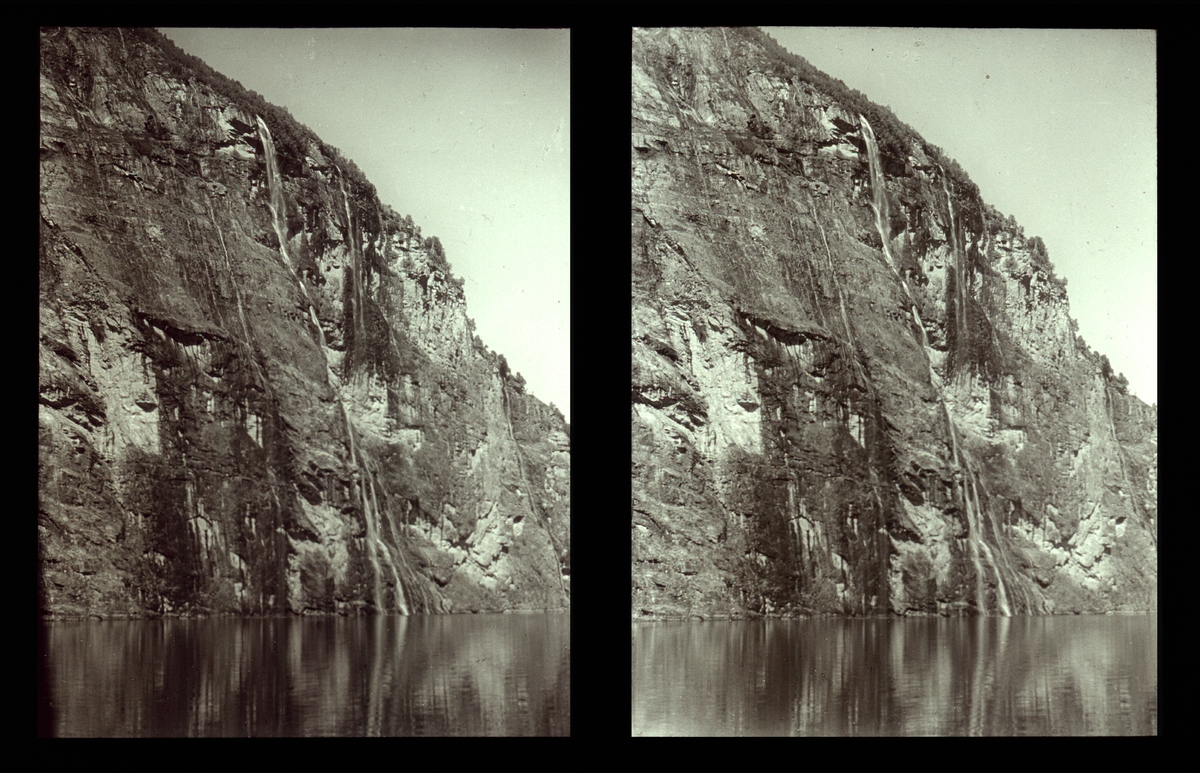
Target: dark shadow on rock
45,703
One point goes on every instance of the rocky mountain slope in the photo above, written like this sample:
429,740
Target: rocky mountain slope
259,388
857,388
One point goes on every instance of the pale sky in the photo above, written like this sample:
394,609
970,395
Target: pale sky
468,131
1058,129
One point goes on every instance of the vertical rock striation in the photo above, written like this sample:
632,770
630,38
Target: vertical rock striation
259,388
856,386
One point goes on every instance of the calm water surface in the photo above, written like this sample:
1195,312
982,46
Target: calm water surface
1085,675
420,675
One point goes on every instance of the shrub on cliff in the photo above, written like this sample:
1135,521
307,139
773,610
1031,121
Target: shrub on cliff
434,246
291,137
1041,259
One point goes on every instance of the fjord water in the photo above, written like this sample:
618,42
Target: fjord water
1077,675
313,676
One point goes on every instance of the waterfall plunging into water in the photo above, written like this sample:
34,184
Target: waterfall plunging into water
960,322
972,527
378,550
376,547
975,541
1001,591
977,545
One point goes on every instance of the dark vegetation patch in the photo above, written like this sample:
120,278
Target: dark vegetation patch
896,139
292,138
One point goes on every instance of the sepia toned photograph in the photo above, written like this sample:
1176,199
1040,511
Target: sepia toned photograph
304,382
890,475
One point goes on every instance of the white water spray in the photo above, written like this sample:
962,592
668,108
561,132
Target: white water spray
1001,592
972,526
920,328
975,542
373,513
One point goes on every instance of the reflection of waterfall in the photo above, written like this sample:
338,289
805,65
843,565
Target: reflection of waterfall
976,720
438,675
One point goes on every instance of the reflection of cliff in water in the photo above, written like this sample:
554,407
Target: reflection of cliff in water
419,675
985,676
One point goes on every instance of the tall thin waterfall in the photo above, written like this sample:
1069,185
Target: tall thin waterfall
278,207
960,310
377,549
879,204
977,545
355,272
975,542
878,193
1001,590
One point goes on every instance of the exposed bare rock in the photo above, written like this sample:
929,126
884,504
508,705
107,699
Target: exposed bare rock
857,388
259,387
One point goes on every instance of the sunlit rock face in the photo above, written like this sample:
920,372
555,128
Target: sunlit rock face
232,424
821,425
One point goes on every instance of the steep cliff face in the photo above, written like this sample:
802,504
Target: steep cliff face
856,387
259,388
